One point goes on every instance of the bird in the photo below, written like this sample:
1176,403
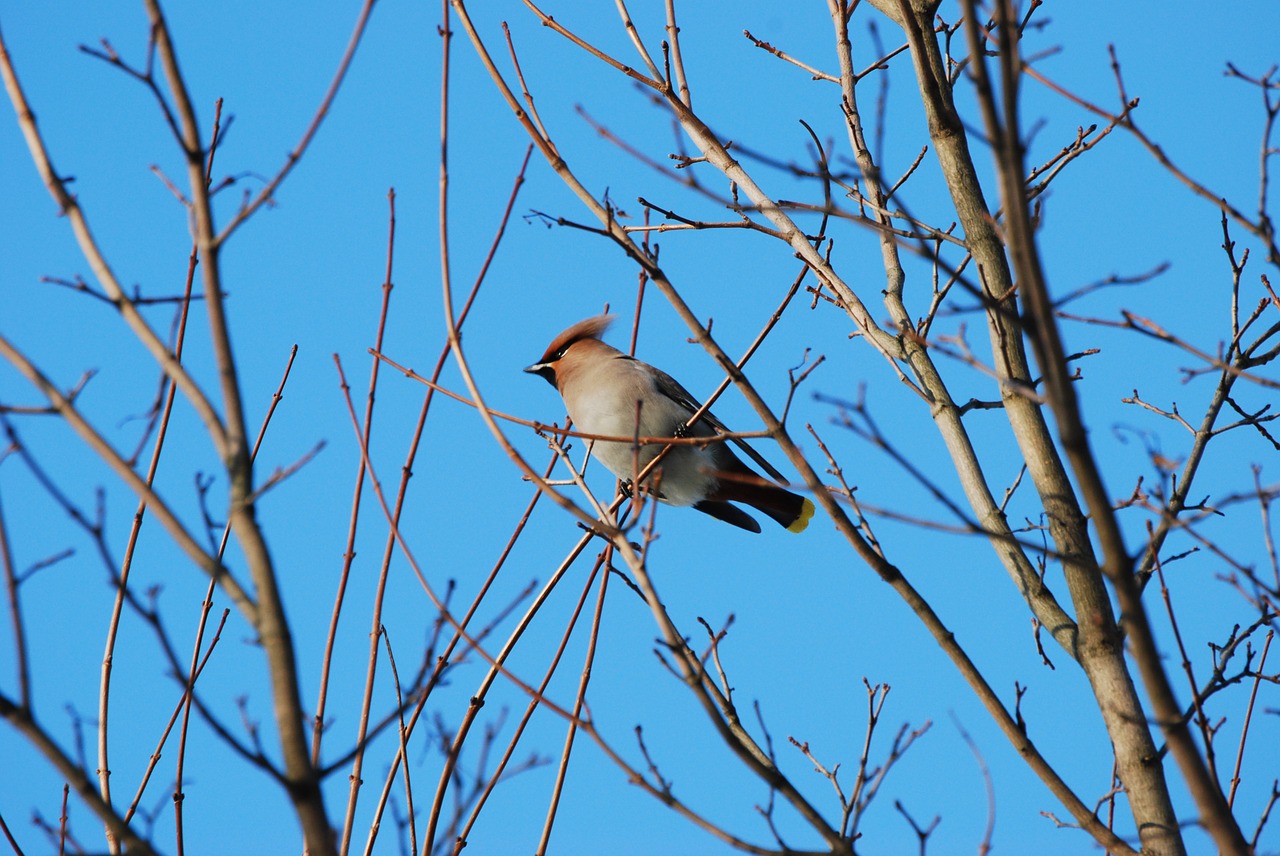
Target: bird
610,394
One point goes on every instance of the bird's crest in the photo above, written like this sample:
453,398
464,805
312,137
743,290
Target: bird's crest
591,328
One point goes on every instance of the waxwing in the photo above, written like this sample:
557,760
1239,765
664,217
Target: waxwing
608,393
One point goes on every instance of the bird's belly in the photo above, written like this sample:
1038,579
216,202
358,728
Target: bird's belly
686,472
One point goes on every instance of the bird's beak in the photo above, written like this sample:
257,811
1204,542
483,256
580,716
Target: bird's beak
546,371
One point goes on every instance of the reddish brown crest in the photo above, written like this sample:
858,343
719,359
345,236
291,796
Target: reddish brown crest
591,328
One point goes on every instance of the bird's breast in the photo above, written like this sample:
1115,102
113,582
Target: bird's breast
627,404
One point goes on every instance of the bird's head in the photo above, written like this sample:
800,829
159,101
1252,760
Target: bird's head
561,352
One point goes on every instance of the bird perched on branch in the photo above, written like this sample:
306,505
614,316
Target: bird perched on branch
610,394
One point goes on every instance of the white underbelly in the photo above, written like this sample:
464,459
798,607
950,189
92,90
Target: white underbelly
687,470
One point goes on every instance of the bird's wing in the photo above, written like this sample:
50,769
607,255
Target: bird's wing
671,388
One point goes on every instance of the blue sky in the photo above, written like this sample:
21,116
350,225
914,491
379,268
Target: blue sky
810,621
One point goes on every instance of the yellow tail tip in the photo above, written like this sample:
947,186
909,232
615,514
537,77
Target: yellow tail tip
801,522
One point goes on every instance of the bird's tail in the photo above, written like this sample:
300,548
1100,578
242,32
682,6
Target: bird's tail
792,511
